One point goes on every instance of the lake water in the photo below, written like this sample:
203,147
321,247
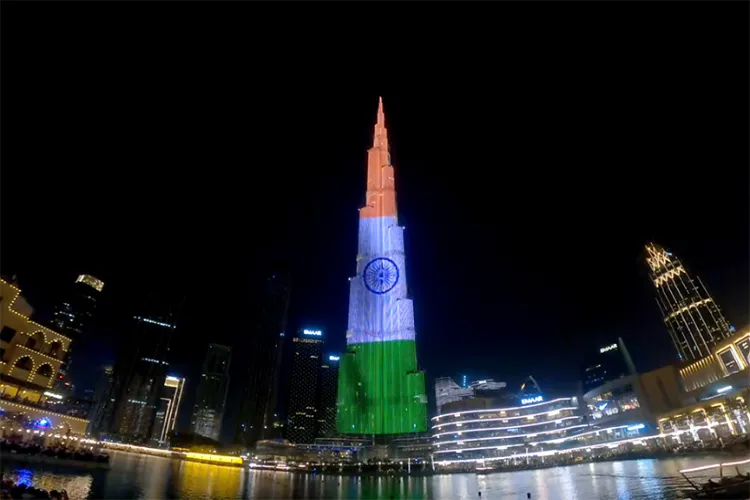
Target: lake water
148,477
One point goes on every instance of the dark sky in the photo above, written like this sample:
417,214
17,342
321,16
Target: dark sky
537,148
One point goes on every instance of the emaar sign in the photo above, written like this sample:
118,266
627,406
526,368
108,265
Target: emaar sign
315,333
536,399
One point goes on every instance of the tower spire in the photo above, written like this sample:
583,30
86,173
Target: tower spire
381,190
380,138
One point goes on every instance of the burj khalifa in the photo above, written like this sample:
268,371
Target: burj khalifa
381,390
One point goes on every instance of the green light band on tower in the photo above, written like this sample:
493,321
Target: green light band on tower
380,389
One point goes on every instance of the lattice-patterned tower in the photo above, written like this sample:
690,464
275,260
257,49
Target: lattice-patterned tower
381,390
693,319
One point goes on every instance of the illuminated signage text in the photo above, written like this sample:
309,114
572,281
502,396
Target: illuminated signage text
608,348
527,401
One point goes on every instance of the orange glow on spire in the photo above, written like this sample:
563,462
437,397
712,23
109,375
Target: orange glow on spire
380,137
381,188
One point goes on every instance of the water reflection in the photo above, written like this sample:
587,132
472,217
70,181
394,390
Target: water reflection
134,476
622,483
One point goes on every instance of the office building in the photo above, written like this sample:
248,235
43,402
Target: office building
327,392
167,409
695,322
30,359
381,357
73,317
261,359
102,395
302,424
139,374
606,363
211,396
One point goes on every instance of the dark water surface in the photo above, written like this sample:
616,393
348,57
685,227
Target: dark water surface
148,477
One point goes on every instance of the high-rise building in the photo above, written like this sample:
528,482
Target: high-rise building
381,389
695,322
211,396
139,375
167,409
328,388
606,363
302,422
101,399
261,358
73,318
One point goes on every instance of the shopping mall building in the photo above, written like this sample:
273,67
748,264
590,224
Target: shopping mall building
469,431
682,404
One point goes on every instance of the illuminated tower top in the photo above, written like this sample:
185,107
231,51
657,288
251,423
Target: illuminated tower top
694,320
381,187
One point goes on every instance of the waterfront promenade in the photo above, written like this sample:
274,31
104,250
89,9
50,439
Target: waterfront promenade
143,476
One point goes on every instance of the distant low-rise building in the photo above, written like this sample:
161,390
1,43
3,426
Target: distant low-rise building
448,391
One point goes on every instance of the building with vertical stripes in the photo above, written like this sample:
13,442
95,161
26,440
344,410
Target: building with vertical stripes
695,322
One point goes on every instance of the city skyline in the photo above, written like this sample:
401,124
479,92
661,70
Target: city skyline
253,254
542,210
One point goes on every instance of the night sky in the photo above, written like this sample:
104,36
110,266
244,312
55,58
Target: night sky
537,148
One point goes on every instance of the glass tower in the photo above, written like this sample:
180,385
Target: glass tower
381,390
693,319
259,358
73,318
303,392
329,381
211,396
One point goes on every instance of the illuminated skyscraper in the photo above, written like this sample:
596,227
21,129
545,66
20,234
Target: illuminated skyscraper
140,374
328,388
381,389
303,391
606,363
208,412
260,360
73,318
167,409
695,322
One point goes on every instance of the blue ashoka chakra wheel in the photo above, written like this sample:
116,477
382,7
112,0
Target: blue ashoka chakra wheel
380,275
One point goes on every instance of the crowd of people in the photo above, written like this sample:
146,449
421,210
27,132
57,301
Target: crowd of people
58,451
11,490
